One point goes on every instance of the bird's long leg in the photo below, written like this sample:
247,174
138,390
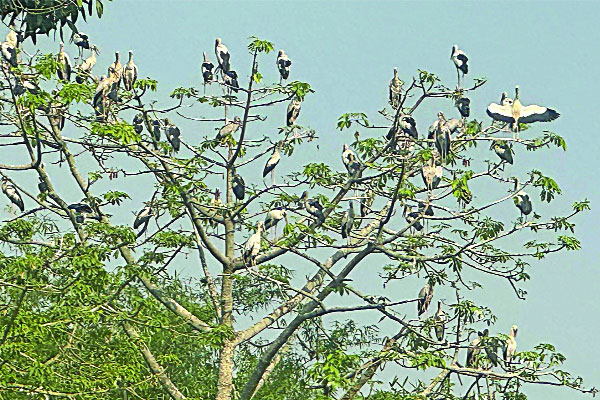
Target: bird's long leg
458,76
273,177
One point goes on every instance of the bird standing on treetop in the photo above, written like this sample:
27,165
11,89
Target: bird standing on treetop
313,207
13,194
222,54
207,69
510,346
103,89
130,73
252,246
515,113
293,111
117,69
460,60
425,296
85,69
64,64
283,65
395,90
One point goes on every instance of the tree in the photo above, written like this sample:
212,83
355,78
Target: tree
93,308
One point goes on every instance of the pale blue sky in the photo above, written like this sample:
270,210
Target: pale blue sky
346,50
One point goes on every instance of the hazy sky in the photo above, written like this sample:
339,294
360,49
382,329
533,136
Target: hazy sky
347,49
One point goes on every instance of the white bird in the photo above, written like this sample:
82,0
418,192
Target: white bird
460,60
425,296
64,64
274,216
293,111
9,53
252,246
85,69
142,219
222,54
523,203
350,161
104,87
440,322
130,73
11,37
440,133
13,194
510,346
116,68
283,65
432,175
229,128
207,69
347,222
395,90
515,113
81,40
272,162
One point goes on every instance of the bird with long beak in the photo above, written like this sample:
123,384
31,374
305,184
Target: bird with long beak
173,135
238,186
207,69
395,90
273,217
293,111
130,73
230,78
272,162
283,65
252,246
85,68
81,40
432,175
475,348
440,322
229,128
347,222
350,161
440,133
502,150
64,64
510,346
12,193
223,56
460,60
117,69
142,219
515,113
463,105
424,299
313,207
522,201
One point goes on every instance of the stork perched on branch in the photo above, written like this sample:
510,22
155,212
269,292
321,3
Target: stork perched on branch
130,73
395,90
283,65
510,346
64,64
252,246
293,111
85,69
12,193
272,162
142,219
460,60
223,56
347,222
425,296
274,216
207,69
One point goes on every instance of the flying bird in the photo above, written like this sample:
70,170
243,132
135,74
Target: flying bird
252,246
64,64
293,111
425,296
460,60
222,54
283,65
313,207
207,69
130,73
12,193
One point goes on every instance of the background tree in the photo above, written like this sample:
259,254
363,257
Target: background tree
95,309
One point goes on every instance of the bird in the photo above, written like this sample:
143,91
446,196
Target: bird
223,55
347,222
313,207
412,217
395,90
425,209
238,186
432,175
172,133
207,69
215,205
138,121
85,69
23,85
425,296
156,128
130,73
283,65
510,346
366,203
515,113
440,133
464,106
252,246
12,193
229,128
274,216
272,162
522,200
81,40
293,111
11,37
64,64
475,348
460,60
503,150
116,68
231,78
105,86
440,322
9,53
81,212
350,161
142,219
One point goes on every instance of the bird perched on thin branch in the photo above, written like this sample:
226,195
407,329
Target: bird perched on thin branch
85,69
231,79
412,217
138,122
350,161
12,193
64,64
432,174
425,296
395,90
440,322
464,106
460,60
81,40
272,162
283,65
116,68
252,246
82,211
293,111
142,219
173,134
156,129
502,150
475,348
130,73
347,222
238,186
223,56
207,69
105,86
229,128
313,207
9,52
274,216
12,38
510,346
440,133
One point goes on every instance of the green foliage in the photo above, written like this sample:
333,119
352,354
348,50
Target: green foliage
121,131
259,46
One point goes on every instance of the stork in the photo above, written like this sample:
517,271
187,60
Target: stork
222,54
283,65
173,134
522,201
475,348
130,73
81,40
366,203
510,346
412,217
272,162
347,222
85,69
12,193
464,106
207,69
117,69
515,113
142,219
350,161
432,175
231,79
215,205
104,87
9,53
64,64
440,133
502,150
293,111
138,122
425,296
229,128
395,90
273,217
156,128
252,246
313,207
238,186
440,322
460,60
81,211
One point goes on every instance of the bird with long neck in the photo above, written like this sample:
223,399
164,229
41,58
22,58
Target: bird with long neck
395,90
117,68
510,346
130,72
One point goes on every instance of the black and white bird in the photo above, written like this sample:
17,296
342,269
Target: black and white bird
85,68
12,193
347,221
366,203
313,207
440,322
412,217
142,220
156,129
502,150
9,53
64,64
238,186
82,211
514,113
293,111
522,200
460,60
231,79
510,346
222,54
130,73
395,90
274,216
252,246
106,86
425,209
464,106
424,299
173,134
283,65
272,162
475,348
432,175
229,128
81,40
351,162
138,123
116,68
207,69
